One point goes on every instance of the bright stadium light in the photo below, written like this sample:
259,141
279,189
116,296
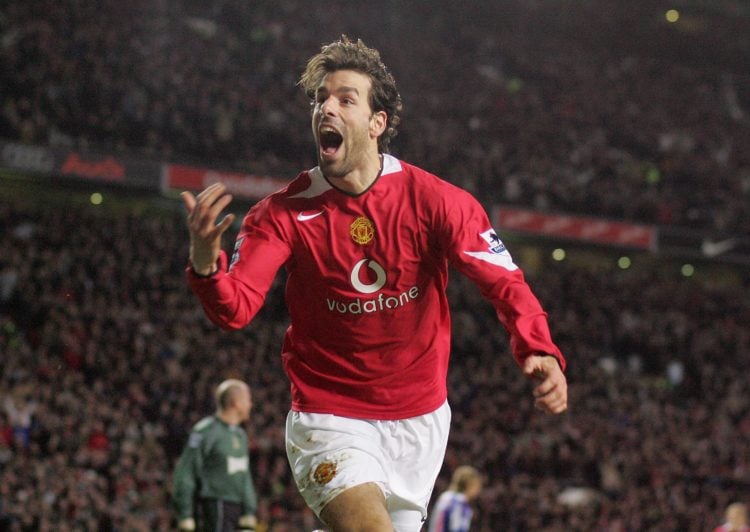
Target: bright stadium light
672,15
653,175
96,198
624,263
558,254
687,270
514,85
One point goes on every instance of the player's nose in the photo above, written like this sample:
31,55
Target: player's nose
328,107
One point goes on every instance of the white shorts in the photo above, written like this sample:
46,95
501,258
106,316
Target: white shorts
329,454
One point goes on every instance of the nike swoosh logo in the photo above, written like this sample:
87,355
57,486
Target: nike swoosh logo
302,217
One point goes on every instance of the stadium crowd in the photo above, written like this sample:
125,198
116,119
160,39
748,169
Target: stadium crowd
556,107
107,359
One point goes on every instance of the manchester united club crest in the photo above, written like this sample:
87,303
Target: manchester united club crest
362,231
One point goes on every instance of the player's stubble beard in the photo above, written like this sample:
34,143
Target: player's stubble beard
355,146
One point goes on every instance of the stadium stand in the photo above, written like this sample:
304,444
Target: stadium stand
557,107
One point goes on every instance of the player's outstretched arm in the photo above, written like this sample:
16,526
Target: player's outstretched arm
551,394
205,234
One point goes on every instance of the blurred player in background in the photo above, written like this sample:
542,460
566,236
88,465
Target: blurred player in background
366,240
736,519
452,511
213,488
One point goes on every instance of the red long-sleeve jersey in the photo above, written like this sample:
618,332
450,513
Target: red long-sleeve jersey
370,326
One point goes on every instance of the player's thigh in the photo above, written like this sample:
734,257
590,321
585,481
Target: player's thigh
358,509
329,455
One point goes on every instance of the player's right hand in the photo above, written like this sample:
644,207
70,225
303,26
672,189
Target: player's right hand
187,524
205,233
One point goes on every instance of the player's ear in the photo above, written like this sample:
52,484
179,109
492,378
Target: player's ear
378,122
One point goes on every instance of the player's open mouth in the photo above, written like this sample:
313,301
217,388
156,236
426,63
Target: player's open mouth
330,140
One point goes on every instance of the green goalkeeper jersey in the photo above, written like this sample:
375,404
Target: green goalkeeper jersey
215,464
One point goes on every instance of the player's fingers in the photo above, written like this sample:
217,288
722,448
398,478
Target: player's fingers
206,212
204,200
554,404
215,200
220,204
551,396
225,223
530,366
551,407
208,197
211,192
188,200
554,400
547,386
212,214
539,367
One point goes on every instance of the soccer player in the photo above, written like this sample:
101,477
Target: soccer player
366,240
214,468
452,511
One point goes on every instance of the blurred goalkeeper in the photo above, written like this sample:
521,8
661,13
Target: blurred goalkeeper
213,487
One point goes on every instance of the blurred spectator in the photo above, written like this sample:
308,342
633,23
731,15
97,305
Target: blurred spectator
736,519
452,511
20,408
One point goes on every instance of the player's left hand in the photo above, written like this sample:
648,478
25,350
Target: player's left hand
551,393
248,522
186,525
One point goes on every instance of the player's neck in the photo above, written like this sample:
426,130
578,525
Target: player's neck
362,177
229,417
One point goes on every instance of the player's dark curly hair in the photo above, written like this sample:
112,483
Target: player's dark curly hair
346,54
